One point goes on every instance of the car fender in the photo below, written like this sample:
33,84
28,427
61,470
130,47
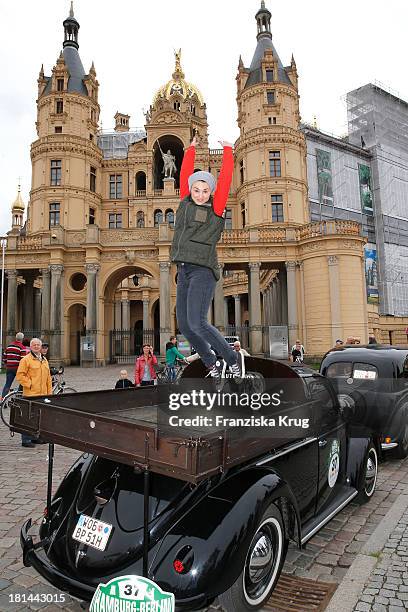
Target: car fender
218,530
356,452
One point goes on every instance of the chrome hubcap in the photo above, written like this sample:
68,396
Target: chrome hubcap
371,473
262,562
260,559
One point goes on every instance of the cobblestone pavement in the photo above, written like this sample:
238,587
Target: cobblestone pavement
387,588
327,556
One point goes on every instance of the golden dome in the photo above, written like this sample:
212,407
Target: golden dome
178,85
18,202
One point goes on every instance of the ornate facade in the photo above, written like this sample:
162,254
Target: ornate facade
93,255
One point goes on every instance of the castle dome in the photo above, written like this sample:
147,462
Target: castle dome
178,85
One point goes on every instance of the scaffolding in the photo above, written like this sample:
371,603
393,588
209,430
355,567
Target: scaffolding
378,121
115,145
377,116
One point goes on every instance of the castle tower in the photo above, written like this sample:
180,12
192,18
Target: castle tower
66,162
270,173
17,212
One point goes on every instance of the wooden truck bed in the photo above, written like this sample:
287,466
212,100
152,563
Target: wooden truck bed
124,426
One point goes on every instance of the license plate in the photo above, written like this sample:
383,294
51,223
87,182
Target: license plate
92,532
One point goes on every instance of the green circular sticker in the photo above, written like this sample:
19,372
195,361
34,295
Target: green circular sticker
334,463
131,594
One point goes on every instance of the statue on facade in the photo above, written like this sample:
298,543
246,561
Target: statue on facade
169,161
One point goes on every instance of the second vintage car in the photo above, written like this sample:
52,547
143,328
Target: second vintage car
372,381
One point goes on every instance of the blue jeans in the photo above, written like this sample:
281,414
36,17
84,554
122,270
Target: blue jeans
10,376
171,372
195,290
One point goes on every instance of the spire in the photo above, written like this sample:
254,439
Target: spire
178,71
18,202
263,21
71,27
264,45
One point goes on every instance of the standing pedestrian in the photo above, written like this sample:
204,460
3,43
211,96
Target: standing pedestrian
199,225
237,347
145,374
12,356
34,376
297,352
172,353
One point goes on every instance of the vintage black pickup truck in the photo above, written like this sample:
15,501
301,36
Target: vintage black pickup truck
205,513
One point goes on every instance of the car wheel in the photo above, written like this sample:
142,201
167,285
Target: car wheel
401,450
369,476
263,564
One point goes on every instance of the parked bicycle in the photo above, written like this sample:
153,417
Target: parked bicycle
165,375
58,387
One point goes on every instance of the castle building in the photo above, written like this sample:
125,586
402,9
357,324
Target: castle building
90,269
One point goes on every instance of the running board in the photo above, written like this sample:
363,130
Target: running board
317,523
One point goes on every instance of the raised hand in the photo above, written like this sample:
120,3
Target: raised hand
225,143
195,142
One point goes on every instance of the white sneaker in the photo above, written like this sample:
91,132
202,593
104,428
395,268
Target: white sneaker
217,371
238,369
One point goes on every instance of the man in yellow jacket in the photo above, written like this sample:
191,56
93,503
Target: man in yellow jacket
34,376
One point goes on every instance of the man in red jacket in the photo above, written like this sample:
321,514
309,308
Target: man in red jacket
12,355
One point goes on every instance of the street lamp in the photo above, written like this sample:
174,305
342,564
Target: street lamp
3,243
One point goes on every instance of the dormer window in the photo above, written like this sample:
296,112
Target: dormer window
60,84
59,107
269,75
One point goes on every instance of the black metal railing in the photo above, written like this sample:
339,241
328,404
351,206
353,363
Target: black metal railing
125,345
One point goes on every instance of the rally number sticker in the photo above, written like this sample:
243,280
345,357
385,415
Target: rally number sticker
334,463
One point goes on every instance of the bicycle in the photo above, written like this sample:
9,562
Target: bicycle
58,387
165,375
58,382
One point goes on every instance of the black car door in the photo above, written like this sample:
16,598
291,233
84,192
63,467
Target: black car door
331,442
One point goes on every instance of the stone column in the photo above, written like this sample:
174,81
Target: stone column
11,305
277,301
219,302
146,303
284,298
335,306
125,303
292,302
164,286
268,305
226,323
255,326
92,270
37,310
118,314
45,302
28,308
237,307
56,303
303,304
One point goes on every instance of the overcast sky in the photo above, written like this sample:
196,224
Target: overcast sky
337,47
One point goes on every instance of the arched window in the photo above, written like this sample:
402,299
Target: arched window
140,181
140,220
158,217
169,216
